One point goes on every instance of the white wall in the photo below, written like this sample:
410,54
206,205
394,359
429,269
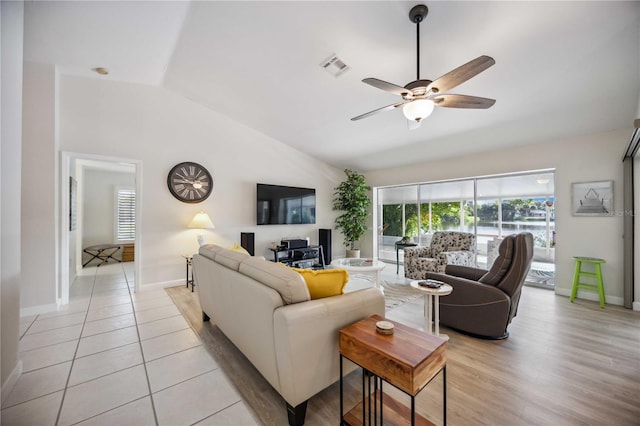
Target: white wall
588,158
161,129
98,206
11,15
39,187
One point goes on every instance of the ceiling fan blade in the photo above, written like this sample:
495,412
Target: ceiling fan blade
413,124
375,111
387,87
461,74
462,101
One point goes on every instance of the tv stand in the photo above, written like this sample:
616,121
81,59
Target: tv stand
306,257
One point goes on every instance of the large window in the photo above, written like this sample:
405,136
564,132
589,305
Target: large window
446,206
397,217
125,214
490,207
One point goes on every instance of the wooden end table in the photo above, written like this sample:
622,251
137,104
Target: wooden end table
408,359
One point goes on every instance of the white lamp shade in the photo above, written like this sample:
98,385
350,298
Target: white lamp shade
418,110
201,221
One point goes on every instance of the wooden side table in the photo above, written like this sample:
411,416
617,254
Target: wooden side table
189,262
408,359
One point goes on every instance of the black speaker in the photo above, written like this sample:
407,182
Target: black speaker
324,240
248,242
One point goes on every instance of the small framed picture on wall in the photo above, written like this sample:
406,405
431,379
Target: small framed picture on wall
592,198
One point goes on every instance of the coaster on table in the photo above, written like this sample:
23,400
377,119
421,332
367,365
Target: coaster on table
384,327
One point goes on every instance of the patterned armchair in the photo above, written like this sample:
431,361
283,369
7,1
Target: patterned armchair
447,248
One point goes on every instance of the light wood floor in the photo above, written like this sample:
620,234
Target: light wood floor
563,364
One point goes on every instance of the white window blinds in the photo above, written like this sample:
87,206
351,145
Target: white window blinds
125,214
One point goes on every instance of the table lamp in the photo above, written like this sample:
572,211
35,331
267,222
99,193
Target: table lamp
201,221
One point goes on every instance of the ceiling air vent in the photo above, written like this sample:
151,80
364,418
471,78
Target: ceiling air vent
334,65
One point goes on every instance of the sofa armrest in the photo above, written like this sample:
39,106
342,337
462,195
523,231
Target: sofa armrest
306,340
469,292
473,307
415,252
467,272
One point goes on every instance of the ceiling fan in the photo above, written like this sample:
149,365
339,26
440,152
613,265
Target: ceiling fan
420,96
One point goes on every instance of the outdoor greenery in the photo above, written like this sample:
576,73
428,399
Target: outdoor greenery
446,215
352,198
513,210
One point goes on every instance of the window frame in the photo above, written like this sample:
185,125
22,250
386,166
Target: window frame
116,215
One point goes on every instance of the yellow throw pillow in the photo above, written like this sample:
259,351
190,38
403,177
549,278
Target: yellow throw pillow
324,282
238,248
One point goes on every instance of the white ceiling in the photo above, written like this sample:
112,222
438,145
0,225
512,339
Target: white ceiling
562,68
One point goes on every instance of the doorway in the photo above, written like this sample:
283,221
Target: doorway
75,167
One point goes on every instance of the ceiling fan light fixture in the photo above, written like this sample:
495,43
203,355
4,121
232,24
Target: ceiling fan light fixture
418,110
420,96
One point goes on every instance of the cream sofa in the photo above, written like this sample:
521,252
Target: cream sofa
266,311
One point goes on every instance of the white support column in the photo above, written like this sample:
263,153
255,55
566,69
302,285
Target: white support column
499,218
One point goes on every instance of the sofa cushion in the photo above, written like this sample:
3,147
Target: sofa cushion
282,279
210,250
324,282
230,259
501,264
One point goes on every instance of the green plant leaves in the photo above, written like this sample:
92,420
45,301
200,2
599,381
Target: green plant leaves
352,197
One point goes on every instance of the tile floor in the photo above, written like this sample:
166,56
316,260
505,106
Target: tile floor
115,357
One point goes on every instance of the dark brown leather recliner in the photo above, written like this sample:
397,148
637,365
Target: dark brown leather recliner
483,303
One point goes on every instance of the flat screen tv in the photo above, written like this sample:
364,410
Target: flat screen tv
285,205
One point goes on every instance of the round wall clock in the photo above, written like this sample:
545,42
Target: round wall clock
190,182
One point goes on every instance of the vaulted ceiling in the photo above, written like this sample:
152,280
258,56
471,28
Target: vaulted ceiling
562,68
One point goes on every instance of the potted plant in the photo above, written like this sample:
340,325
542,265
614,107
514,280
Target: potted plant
352,198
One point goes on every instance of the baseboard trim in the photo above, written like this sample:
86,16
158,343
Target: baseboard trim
587,295
40,309
11,381
161,285
636,306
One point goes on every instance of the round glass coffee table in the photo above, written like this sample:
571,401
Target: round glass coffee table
432,306
363,266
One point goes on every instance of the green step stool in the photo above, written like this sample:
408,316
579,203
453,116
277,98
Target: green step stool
598,286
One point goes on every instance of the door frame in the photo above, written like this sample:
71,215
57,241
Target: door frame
62,292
